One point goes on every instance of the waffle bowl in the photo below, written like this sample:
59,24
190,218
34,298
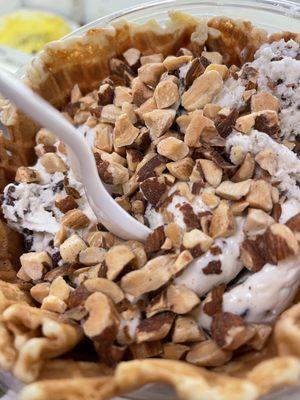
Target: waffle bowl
83,60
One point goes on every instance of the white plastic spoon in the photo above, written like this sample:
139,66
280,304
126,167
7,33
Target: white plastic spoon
82,161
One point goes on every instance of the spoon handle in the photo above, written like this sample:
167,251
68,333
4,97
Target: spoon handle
109,213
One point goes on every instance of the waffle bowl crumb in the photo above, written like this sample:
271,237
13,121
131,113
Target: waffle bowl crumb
114,294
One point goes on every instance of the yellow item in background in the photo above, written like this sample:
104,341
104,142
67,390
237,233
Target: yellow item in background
29,31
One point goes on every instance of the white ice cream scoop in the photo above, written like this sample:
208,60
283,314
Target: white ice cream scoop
82,161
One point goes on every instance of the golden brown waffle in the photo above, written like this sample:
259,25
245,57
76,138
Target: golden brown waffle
53,73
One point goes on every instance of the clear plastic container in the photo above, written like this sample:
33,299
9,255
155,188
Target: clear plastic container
268,14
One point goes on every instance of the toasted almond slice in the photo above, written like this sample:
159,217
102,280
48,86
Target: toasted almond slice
197,238
187,330
264,101
208,354
125,132
260,195
267,160
172,148
103,321
159,121
116,259
152,276
257,222
212,172
222,223
166,94
202,91
105,286
220,68
233,191
181,169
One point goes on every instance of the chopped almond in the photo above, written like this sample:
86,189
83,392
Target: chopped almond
53,163
182,261
181,169
264,101
159,121
211,110
152,276
122,94
187,330
237,155
233,191
45,137
35,264
132,57
213,56
172,63
27,175
210,199
198,127
125,132
180,299
259,195
109,288
196,238
220,68
208,354
222,223
238,207
245,123
257,222
105,94
110,113
245,170
103,320
230,331
172,148
166,94
202,91
40,291
280,242
154,328
152,58
267,160
116,259
212,172
150,73
173,351
75,219
71,247
92,256
140,92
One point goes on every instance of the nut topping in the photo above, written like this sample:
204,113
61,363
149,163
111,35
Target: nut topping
202,91
27,175
166,94
187,330
212,172
233,191
196,238
75,219
264,101
260,195
35,264
267,160
159,121
172,148
116,259
208,354
125,132
222,223
154,328
280,242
